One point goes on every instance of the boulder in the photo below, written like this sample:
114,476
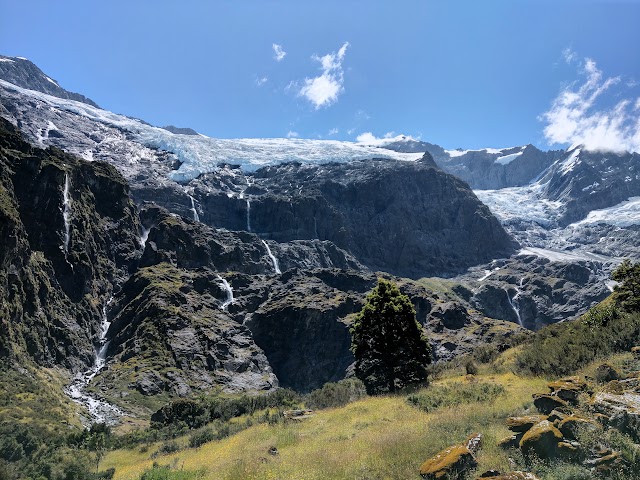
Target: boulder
453,461
636,352
571,425
606,373
542,439
567,389
547,403
522,424
512,441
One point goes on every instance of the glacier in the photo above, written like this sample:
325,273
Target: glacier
200,154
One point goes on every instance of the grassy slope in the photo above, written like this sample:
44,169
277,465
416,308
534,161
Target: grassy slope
381,437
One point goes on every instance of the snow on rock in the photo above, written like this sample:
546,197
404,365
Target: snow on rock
506,159
200,154
623,214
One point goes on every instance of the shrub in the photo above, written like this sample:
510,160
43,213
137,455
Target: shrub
454,394
201,437
563,348
333,395
470,367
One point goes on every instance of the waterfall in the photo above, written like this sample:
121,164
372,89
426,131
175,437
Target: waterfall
99,410
515,301
273,258
66,213
227,288
144,237
248,215
196,217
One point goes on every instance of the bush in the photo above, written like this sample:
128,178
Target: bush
167,448
201,437
470,367
333,395
563,348
454,394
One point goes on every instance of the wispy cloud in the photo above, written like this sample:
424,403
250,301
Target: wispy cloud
333,131
261,81
324,89
578,116
369,138
278,52
569,55
292,134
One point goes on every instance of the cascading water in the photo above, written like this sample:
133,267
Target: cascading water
196,217
248,215
144,236
273,258
515,301
99,410
227,288
66,213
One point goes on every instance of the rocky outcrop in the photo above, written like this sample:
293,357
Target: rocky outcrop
171,332
535,291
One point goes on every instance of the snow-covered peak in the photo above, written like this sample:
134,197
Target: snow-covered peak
501,152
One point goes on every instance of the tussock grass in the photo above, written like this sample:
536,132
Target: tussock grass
376,437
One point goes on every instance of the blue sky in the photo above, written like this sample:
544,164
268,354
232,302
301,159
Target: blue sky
461,74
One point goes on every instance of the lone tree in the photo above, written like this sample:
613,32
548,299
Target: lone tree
628,289
387,341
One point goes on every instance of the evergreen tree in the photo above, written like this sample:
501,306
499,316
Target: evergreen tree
387,341
628,289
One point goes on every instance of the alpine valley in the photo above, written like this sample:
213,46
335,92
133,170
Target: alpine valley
140,265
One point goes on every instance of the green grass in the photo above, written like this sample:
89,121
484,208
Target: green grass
376,437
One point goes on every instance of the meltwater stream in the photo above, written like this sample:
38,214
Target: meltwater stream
515,301
274,260
229,291
66,213
100,411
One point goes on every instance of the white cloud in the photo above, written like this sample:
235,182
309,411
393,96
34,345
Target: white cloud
333,131
569,55
576,117
278,52
292,134
261,81
369,138
324,89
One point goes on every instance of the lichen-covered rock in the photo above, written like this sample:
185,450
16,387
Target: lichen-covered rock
545,404
451,461
567,389
511,441
542,439
572,425
522,424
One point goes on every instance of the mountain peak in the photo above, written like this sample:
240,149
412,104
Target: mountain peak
24,73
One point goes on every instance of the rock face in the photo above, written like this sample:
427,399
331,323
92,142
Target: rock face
22,72
68,235
535,291
407,218
171,333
